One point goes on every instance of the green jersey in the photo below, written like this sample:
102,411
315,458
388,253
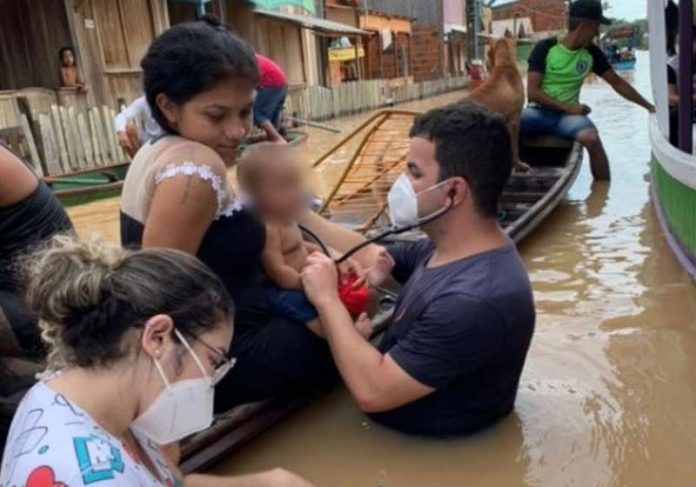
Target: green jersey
565,70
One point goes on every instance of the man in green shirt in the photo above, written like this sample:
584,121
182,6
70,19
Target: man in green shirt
557,71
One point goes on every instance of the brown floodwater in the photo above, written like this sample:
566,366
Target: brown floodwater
608,394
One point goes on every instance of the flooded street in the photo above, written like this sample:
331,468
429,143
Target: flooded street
608,395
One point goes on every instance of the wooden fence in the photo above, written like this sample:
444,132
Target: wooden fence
61,134
321,103
73,140
57,140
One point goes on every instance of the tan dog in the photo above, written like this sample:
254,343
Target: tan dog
503,91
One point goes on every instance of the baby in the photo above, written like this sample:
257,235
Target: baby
271,176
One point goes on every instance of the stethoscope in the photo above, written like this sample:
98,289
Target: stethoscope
377,238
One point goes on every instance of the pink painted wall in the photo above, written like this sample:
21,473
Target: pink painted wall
454,11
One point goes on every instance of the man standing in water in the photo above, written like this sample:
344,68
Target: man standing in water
557,71
451,360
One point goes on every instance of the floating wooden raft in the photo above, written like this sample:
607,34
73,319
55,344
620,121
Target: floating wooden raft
377,155
376,152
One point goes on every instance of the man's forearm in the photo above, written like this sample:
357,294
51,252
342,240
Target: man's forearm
357,360
629,93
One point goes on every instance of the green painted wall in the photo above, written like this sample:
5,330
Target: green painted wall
309,5
679,204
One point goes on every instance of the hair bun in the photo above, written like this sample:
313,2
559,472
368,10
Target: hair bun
68,277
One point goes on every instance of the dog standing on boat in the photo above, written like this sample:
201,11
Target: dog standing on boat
503,91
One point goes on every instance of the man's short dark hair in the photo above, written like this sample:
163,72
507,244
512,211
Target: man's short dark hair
471,142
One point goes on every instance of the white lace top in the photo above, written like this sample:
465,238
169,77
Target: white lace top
150,165
227,202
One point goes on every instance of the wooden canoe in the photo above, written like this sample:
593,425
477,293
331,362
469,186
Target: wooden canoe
528,199
98,183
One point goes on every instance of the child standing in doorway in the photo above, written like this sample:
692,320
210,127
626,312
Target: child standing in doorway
69,76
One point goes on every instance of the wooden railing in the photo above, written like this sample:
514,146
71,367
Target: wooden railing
321,103
56,139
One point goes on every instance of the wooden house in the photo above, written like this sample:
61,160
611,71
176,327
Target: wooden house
109,38
427,33
389,53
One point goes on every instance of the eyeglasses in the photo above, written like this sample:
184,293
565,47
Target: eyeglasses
221,370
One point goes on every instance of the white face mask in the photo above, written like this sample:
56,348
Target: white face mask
403,202
181,409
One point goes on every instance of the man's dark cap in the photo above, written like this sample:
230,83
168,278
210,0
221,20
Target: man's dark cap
588,9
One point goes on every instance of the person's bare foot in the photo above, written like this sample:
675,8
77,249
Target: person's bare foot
364,325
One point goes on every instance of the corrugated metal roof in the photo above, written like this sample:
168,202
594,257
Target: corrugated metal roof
313,23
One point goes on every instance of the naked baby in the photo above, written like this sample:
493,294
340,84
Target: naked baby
271,178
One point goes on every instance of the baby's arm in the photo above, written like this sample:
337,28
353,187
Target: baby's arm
274,264
380,272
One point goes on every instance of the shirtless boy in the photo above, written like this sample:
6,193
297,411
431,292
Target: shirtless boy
271,176
69,76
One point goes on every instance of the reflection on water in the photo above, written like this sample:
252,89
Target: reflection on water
608,396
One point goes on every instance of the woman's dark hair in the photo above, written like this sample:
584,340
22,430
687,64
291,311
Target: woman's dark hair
471,142
190,58
88,295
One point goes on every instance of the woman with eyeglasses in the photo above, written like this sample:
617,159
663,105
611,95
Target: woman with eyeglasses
137,342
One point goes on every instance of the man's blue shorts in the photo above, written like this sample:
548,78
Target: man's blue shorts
291,304
538,121
269,104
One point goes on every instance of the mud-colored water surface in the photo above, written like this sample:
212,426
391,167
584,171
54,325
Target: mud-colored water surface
608,395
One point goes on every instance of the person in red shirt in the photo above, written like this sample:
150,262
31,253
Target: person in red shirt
270,98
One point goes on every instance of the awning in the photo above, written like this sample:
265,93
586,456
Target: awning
313,23
449,28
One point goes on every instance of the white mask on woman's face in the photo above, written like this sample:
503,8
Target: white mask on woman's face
181,409
403,202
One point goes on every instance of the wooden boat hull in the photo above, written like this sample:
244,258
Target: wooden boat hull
85,186
527,201
99,183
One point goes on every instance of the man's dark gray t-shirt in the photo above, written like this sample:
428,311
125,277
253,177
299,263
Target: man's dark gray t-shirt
464,329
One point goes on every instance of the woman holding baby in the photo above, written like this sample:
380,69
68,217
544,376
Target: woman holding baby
199,81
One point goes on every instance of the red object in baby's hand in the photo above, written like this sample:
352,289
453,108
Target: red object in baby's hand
354,299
